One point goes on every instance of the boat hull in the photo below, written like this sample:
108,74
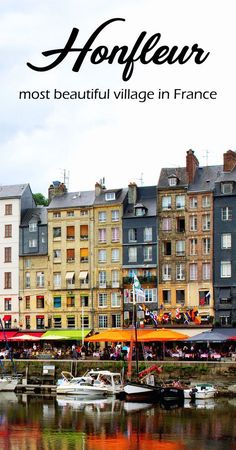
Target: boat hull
138,392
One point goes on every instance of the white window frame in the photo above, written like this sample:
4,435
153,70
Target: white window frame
147,234
192,202
40,279
193,272
102,216
180,201
102,235
32,227
102,255
102,321
206,222
147,253
110,196
193,246
115,216
180,248
33,243
226,188
166,202
102,300
132,254
166,224
226,214
206,201
115,255
115,300
57,280
115,234
193,223
166,272
180,271
226,240
206,271
132,234
225,269
206,244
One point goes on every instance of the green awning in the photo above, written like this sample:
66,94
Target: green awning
75,335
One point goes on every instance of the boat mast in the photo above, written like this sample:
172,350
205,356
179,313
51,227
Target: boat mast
135,328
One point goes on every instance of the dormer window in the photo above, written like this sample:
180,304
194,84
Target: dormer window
110,196
33,226
140,210
172,180
226,188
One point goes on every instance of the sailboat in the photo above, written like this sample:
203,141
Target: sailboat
143,388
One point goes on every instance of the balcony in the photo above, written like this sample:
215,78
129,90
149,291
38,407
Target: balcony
150,279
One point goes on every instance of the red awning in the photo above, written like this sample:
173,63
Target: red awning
39,317
6,335
27,336
6,318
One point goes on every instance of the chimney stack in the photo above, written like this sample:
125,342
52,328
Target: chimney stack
56,189
98,189
191,165
229,161
132,193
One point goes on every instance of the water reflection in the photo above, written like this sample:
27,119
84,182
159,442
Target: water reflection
66,423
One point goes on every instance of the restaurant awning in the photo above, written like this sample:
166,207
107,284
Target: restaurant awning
83,275
31,336
142,336
70,275
208,336
5,335
76,335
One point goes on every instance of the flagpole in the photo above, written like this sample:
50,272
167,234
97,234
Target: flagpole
135,328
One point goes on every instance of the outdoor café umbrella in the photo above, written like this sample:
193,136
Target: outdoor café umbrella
208,336
25,337
163,335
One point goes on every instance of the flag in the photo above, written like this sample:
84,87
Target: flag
137,284
139,293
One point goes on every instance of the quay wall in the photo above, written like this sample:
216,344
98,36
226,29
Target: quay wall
184,370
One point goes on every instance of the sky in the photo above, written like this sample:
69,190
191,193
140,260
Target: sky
42,140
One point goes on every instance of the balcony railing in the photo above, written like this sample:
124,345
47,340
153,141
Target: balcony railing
142,279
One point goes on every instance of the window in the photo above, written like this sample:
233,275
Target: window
33,227
57,280
204,298
40,279
225,269
193,272
166,248
7,304
7,280
193,223
180,224
116,320
70,255
70,213
84,301
147,234
27,280
102,216
147,253
115,277
166,296
132,235
27,322
206,271
84,255
102,300
57,302
166,272
102,235
180,271
8,231
70,233
7,254
33,243
84,232
115,215
180,248
225,320
226,213
8,210
206,246
84,321
166,224
27,263
172,181
39,301
193,247
84,212
39,322
56,215
56,232
226,188
70,280
110,196
192,202
102,321
102,255
150,295
206,201
70,301
180,201
166,202
102,275
57,254
132,254
70,321
115,300
115,234
27,302
226,241
115,255
139,211
180,296
206,222
57,322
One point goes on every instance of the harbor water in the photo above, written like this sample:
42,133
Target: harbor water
31,422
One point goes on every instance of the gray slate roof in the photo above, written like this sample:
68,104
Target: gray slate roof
179,172
39,214
227,176
12,191
205,178
73,200
146,196
120,195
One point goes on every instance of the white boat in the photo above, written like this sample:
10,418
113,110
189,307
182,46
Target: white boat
94,383
8,383
200,391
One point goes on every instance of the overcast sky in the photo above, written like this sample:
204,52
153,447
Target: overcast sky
118,140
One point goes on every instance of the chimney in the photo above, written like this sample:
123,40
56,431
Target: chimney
56,189
132,193
229,161
98,189
191,165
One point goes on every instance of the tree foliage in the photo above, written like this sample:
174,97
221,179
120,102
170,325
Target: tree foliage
40,199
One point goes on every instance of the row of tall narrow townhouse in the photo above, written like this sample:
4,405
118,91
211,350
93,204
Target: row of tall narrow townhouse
71,265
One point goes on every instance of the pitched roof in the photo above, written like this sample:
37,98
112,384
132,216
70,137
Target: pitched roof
178,172
205,178
39,214
119,194
12,191
147,198
73,200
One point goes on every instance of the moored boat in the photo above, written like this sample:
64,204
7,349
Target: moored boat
200,391
94,383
